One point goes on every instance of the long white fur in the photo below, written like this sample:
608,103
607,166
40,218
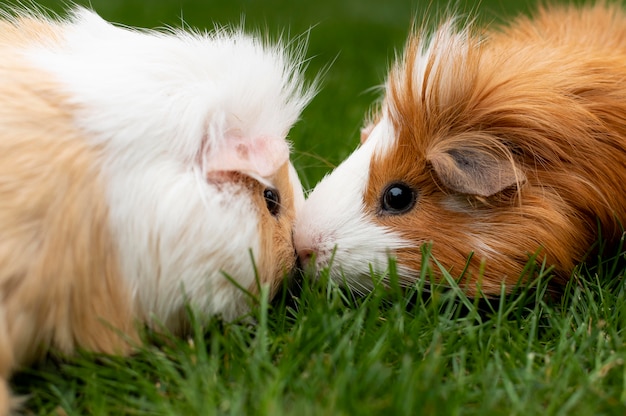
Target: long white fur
445,44
150,99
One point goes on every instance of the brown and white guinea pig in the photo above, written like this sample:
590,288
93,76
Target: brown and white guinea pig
503,142
137,168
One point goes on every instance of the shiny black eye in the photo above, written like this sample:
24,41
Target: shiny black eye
272,201
398,198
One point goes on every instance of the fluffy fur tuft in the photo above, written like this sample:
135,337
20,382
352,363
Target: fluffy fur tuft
135,172
513,141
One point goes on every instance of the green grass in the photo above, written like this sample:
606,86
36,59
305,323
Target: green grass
392,352
323,351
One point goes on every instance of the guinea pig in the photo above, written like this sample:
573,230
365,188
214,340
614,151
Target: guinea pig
141,172
495,146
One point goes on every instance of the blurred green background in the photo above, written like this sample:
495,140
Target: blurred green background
351,43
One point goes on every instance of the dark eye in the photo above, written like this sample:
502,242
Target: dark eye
398,198
272,201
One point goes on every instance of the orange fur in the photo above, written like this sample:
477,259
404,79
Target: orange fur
276,256
55,250
545,96
23,30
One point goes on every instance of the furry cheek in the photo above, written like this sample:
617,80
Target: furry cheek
175,261
277,257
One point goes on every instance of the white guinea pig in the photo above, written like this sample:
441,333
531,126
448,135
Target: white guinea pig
137,168
501,142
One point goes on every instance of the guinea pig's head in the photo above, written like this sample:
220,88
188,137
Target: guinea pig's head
481,148
191,130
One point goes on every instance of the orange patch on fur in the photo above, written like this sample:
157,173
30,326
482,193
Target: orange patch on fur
60,283
277,257
24,30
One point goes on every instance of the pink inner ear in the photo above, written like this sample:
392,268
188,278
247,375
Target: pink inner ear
261,155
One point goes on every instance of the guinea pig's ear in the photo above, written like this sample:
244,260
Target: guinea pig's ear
475,170
260,156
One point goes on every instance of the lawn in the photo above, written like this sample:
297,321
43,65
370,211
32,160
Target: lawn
317,350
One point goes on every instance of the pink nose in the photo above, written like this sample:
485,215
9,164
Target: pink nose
304,257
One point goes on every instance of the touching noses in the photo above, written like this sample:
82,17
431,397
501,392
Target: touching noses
304,248
304,257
